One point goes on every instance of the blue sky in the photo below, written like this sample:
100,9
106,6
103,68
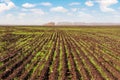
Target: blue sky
37,12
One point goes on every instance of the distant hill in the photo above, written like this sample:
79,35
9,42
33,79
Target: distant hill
50,24
82,23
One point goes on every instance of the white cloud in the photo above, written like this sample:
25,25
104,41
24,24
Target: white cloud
59,9
37,11
9,15
33,11
106,9
70,14
118,8
21,15
89,3
74,3
85,15
6,5
46,4
74,9
24,9
105,4
28,5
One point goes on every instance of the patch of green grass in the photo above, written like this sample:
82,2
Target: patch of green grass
1,63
